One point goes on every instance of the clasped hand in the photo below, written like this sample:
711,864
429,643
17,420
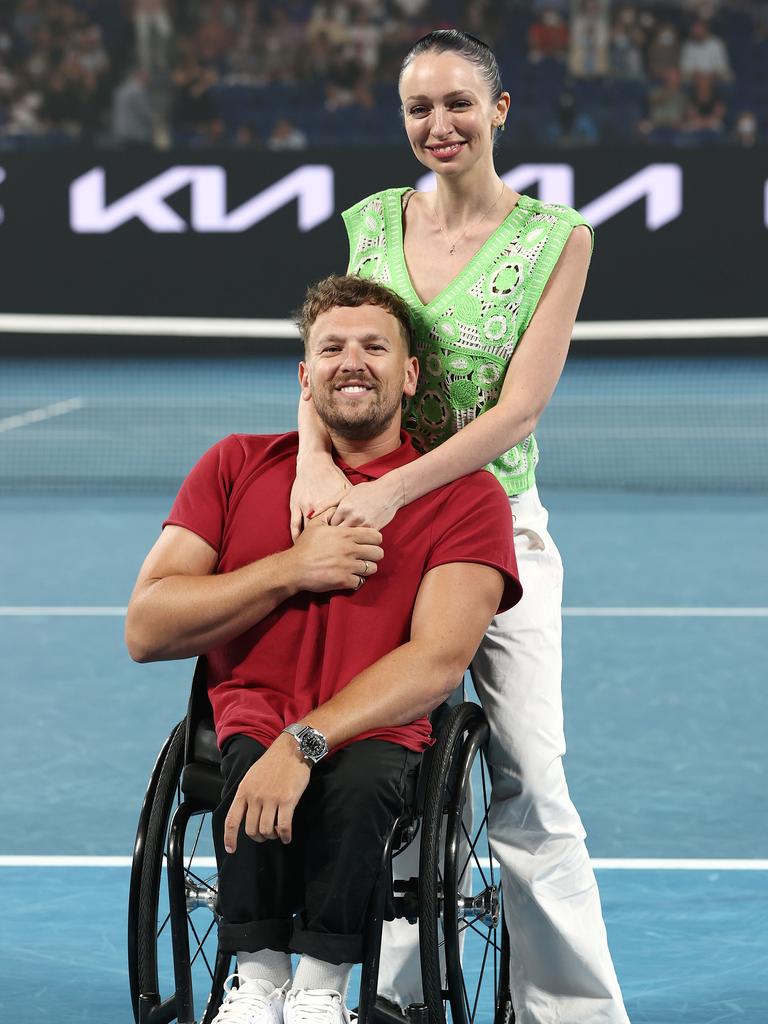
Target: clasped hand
320,487
338,558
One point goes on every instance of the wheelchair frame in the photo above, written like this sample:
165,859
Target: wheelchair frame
187,771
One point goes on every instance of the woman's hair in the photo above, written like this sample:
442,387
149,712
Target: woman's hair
474,50
351,290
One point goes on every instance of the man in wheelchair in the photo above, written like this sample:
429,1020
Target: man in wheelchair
320,684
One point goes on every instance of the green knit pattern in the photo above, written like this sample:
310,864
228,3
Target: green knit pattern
466,336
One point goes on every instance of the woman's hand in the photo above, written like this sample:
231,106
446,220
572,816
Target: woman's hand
371,504
319,485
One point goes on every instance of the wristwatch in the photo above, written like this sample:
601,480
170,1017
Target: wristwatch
312,743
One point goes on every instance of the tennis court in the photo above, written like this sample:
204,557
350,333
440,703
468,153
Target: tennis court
666,601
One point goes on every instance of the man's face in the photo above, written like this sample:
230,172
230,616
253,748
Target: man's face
357,368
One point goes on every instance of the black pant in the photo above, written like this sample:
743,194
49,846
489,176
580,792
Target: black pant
327,874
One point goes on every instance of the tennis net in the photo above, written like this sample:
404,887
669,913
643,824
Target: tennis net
120,423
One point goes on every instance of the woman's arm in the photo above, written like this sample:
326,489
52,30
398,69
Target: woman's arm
319,483
532,376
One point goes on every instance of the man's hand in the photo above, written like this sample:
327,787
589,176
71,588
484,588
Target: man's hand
268,795
335,559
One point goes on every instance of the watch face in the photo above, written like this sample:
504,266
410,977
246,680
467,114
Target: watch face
313,745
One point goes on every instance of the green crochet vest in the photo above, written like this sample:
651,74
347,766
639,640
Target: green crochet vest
466,336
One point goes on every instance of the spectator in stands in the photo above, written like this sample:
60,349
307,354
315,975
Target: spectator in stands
364,33
286,136
132,115
193,104
548,36
27,21
705,114
90,52
704,54
745,131
342,79
153,31
588,55
214,39
574,124
667,109
663,52
627,40
24,114
328,19
283,46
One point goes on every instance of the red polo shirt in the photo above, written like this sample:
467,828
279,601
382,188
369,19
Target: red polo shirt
237,499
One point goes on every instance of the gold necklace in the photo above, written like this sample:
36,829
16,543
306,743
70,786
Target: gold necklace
452,245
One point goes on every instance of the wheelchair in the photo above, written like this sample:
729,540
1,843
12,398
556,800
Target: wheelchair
175,966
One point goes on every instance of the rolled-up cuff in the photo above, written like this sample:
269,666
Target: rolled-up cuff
334,949
256,935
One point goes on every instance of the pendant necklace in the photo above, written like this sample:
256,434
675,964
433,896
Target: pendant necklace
452,245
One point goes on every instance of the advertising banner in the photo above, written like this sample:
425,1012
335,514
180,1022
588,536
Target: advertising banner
679,233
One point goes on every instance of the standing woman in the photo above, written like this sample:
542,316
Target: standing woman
494,280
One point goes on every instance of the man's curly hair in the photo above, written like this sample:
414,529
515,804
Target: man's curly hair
351,290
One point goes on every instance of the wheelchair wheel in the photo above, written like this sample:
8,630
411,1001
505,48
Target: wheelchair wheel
166,983
464,941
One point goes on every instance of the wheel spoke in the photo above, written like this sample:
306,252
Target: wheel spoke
487,805
486,938
473,856
473,843
197,840
202,881
200,950
464,993
495,969
200,947
165,922
479,983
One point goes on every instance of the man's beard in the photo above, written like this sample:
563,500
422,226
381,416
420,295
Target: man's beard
355,423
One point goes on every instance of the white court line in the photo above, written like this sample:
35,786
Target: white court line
87,611
682,613
45,412
61,610
600,863
217,327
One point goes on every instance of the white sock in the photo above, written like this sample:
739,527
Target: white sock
265,965
312,973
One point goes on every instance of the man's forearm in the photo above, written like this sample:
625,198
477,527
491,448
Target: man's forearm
404,685
183,616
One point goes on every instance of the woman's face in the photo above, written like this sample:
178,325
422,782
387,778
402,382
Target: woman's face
448,112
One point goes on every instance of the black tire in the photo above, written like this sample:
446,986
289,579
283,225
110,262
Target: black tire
137,862
149,946
444,881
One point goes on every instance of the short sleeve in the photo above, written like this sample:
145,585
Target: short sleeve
474,524
203,499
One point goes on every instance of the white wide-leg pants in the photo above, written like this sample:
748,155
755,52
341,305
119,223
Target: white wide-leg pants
561,969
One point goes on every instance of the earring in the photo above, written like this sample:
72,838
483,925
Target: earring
500,126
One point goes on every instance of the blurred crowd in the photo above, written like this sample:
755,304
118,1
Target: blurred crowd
281,76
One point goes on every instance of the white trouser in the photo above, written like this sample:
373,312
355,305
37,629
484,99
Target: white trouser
561,969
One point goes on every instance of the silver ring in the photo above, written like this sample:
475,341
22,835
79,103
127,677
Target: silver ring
360,582
366,568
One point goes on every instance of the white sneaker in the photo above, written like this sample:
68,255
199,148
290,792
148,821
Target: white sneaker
252,1002
314,1006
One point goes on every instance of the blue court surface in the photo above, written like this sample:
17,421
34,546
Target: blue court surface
666,643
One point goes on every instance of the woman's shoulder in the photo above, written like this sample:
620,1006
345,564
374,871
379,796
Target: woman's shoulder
376,199
552,211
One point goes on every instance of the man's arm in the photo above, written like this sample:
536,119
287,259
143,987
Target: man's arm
454,607
180,608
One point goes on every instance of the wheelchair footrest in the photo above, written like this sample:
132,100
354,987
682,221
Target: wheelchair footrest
387,1012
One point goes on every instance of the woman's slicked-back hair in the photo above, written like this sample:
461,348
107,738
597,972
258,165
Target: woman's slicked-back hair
451,40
